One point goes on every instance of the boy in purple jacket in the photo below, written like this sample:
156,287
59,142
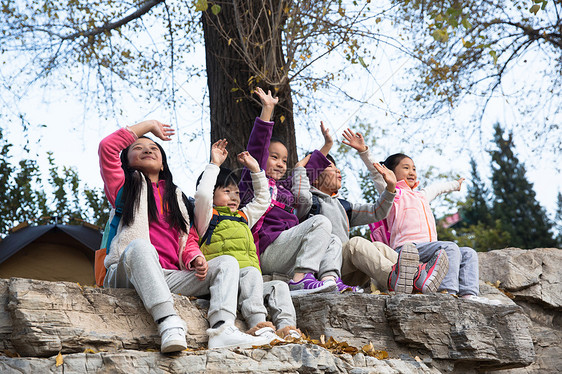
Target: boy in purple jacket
307,252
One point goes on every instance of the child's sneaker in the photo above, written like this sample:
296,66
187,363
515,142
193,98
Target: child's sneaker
290,333
480,299
401,278
172,334
228,336
431,274
309,284
341,287
268,334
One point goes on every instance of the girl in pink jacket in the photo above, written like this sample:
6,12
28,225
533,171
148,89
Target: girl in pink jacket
152,250
411,220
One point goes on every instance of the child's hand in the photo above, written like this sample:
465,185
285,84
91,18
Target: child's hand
460,183
199,264
354,140
268,102
303,162
266,99
328,141
387,175
219,152
246,159
160,130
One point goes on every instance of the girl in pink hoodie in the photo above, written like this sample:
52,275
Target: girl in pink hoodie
411,220
154,250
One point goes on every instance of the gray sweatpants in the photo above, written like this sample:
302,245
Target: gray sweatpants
279,304
462,277
308,247
139,268
250,296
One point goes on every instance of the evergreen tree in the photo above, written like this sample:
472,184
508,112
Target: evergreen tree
514,203
558,219
476,209
24,195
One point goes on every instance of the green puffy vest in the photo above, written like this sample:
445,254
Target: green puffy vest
229,234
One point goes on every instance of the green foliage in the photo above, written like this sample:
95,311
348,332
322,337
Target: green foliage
23,196
481,237
476,209
470,48
558,219
514,203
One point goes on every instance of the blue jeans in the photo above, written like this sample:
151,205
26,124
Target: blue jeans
462,277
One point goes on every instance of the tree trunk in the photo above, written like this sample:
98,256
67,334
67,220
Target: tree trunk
233,107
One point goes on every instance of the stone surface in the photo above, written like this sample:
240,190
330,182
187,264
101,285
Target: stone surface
40,319
534,279
52,317
290,358
461,333
534,275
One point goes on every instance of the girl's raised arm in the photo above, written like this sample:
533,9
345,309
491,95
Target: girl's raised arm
159,129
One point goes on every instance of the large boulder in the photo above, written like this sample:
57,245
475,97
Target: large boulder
456,334
533,279
109,330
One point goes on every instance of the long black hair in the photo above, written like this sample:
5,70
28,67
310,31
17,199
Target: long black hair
132,188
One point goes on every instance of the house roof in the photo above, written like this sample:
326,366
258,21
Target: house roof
12,243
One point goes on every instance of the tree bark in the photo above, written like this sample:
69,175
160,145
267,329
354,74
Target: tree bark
233,108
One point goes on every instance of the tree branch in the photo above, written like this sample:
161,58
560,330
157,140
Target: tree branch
142,10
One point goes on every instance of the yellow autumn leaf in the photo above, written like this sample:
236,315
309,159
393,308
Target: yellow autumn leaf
59,360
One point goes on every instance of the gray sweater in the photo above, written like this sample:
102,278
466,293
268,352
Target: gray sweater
361,214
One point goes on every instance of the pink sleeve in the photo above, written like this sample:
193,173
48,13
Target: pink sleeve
110,163
191,248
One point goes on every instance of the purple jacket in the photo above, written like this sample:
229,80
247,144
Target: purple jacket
277,219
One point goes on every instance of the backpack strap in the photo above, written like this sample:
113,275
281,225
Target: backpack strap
216,219
348,208
108,235
114,224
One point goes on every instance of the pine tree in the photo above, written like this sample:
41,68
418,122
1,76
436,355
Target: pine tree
514,203
476,209
558,219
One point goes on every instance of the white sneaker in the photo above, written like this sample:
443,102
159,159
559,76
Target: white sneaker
228,336
268,334
172,334
294,334
482,300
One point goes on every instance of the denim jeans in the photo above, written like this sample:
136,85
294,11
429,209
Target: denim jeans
462,277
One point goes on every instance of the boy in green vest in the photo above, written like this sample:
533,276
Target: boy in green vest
225,230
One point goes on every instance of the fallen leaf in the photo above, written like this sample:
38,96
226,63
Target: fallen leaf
59,360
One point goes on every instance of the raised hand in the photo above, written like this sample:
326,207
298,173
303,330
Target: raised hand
219,152
246,159
328,141
266,99
303,162
354,140
159,129
387,175
268,102
199,264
